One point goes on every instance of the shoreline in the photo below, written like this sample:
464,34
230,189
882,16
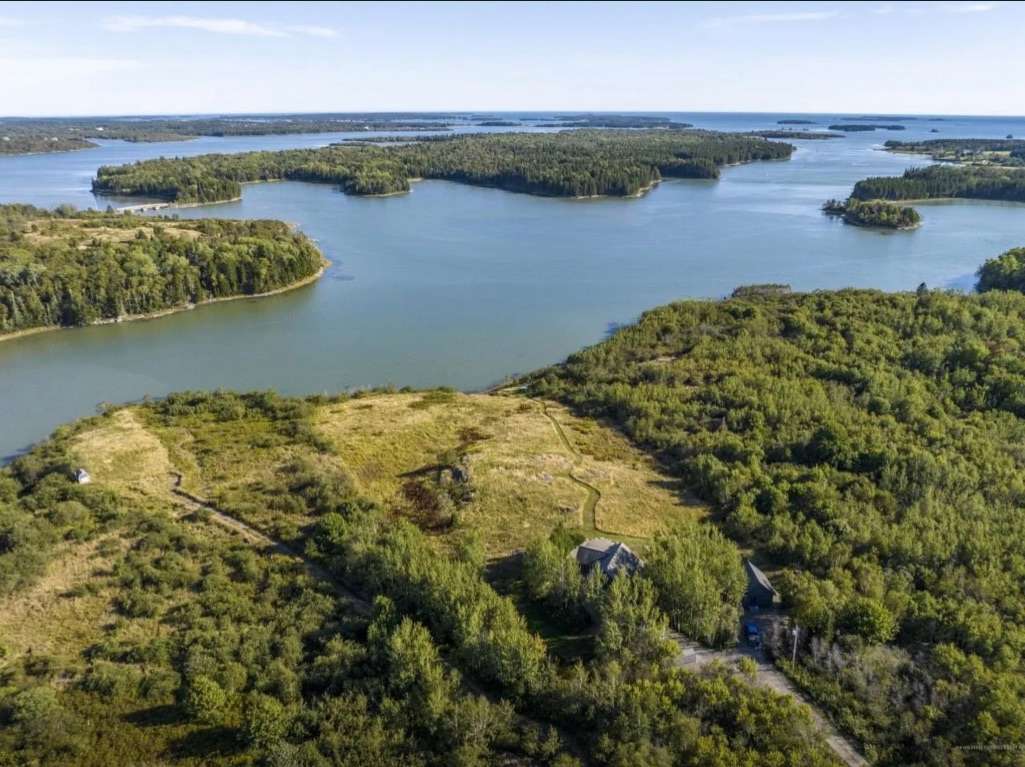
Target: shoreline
170,310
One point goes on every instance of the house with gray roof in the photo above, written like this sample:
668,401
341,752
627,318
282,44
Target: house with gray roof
610,557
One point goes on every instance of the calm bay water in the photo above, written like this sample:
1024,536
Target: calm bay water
453,285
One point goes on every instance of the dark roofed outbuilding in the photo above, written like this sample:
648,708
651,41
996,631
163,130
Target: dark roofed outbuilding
760,592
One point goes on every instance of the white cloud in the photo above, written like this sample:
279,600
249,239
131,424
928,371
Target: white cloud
205,24
312,30
217,26
883,10
7,21
771,18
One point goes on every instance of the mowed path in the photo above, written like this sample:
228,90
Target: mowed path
253,536
589,510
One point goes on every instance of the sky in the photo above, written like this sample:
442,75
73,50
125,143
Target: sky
93,58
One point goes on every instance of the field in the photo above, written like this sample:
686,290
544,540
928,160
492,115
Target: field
529,466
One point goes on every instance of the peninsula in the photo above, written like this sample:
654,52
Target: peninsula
69,268
26,135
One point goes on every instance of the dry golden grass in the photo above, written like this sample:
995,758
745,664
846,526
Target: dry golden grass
45,619
123,455
520,466
51,230
526,479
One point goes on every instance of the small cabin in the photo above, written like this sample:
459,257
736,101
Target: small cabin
82,477
610,557
760,594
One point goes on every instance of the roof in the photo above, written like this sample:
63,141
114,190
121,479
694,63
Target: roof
756,575
610,556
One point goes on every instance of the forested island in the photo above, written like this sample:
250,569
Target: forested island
67,267
579,163
795,122
25,135
973,151
873,213
38,144
868,444
981,182
865,127
790,133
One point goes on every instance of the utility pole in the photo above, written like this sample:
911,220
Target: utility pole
795,631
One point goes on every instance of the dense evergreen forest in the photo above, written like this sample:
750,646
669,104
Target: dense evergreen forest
984,151
869,444
71,267
218,651
20,135
877,213
569,164
938,181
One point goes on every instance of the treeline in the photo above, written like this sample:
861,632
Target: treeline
569,164
69,267
878,213
937,181
867,443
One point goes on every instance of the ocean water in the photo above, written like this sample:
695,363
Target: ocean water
460,286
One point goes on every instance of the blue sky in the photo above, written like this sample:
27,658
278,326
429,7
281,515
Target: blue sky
152,58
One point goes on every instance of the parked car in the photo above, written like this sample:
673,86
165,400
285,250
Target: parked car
753,634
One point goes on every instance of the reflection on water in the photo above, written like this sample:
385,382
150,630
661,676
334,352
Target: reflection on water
453,285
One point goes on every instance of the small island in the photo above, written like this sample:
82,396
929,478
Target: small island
796,122
790,133
612,121
865,127
69,268
873,213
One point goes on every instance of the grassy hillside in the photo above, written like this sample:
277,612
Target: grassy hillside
245,581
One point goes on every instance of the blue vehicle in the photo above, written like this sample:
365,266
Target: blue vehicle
753,634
